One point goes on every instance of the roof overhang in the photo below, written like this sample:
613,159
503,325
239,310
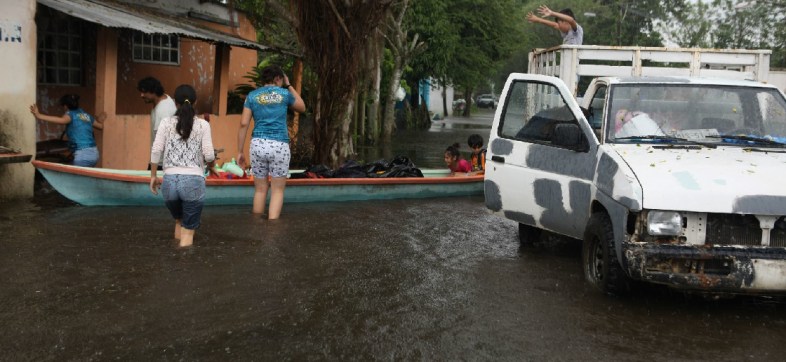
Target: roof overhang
118,15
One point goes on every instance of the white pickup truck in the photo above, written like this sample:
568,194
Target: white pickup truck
678,180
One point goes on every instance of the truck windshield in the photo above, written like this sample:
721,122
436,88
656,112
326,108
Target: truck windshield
731,115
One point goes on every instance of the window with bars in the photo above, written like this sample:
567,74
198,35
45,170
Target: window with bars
60,51
156,48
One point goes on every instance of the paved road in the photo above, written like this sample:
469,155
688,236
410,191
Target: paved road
433,279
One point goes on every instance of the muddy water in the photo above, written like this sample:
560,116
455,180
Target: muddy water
427,147
436,279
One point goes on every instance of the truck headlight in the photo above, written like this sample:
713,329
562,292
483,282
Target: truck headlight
664,223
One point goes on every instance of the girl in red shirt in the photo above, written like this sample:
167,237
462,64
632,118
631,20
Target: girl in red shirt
457,165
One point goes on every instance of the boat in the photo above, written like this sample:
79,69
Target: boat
110,187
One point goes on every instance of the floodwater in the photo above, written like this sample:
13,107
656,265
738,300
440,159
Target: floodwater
427,147
437,279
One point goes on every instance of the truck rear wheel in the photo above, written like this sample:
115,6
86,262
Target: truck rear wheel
528,235
599,257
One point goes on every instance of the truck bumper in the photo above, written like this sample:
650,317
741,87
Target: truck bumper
724,269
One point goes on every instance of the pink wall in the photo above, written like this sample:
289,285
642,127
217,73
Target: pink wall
125,143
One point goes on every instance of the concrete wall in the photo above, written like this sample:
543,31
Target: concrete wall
17,92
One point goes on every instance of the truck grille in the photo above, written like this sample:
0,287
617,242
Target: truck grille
733,229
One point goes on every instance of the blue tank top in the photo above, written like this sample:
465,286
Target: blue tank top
80,130
269,106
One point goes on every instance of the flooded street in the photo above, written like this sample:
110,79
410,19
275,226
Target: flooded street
425,279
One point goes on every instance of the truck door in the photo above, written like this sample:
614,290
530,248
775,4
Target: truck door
534,175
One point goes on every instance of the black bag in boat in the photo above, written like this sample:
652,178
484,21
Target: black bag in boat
402,166
376,168
350,169
315,171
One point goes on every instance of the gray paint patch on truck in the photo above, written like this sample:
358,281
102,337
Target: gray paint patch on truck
760,204
492,196
631,204
553,160
550,195
501,146
520,217
607,168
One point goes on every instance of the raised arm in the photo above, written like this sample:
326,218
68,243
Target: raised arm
546,12
99,122
299,106
532,18
64,119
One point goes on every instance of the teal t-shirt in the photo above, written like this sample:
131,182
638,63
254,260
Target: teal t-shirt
269,106
80,130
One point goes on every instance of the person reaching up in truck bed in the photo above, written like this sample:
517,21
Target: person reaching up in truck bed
564,21
457,165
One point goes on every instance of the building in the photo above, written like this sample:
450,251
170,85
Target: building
100,49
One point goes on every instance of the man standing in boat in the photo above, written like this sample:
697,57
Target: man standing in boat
152,92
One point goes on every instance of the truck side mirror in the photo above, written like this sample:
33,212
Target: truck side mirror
569,135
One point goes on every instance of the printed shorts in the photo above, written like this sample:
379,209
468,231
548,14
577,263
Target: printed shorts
269,157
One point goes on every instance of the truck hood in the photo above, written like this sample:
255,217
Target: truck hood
720,180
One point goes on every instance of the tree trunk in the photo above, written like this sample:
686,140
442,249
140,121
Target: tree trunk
390,102
468,99
297,82
376,86
332,34
444,100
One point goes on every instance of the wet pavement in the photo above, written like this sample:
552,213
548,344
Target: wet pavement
426,279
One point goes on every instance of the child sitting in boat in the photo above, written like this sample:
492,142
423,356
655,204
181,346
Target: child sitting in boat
457,165
79,129
478,157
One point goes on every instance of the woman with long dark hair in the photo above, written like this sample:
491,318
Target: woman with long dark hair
270,153
184,144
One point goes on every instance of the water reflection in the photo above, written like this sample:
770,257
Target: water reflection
426,147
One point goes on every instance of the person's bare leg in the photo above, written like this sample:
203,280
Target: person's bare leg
277,186
186,237
177,229
260,195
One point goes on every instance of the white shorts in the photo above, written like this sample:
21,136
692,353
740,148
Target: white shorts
269,157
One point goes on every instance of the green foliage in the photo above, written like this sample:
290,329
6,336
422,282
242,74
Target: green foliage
430,19
690,27
732,24
467,40
255,75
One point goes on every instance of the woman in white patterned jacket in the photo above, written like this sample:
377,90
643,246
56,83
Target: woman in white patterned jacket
184,144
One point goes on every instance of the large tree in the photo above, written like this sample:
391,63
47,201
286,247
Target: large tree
487,33
330,36
403,46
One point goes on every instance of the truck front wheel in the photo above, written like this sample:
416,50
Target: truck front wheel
601,267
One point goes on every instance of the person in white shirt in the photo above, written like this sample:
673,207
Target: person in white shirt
152,92
184,145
